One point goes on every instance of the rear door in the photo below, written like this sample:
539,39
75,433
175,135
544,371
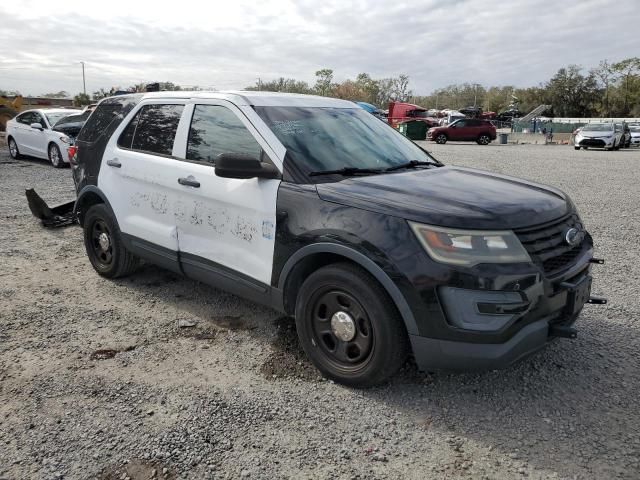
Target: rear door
225,226
139,175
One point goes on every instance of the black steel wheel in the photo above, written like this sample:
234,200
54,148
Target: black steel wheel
13,149
103,244
55,157
349,327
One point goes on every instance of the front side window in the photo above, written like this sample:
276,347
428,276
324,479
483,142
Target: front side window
153,129
216,130
26,118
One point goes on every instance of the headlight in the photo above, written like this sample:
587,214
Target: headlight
64,139
470,247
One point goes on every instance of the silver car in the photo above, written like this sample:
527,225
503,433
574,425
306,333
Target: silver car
599,135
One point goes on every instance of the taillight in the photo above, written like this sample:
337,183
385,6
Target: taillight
71,152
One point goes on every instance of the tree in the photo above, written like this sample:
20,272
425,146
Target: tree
289,85
324,79
571,93
401,92
628,70
100,94
606,76
81,99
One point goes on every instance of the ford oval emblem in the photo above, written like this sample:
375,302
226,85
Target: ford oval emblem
573,236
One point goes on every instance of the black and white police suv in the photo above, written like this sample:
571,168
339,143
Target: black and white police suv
314,207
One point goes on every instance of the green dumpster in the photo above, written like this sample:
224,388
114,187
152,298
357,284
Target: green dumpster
413,129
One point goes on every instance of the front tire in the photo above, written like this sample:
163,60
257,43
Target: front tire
349,327
104,246
13,149
441,139
576,148
55,157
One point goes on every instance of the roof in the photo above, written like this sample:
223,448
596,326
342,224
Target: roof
70,111
260,99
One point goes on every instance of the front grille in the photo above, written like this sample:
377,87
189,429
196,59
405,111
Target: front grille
592,142
547,247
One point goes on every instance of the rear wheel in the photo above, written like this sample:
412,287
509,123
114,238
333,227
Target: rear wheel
13,149
349,327
104,246
55,157
576,148
484,139
441,138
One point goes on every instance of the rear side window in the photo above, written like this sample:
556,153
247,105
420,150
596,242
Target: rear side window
107,116
215,130
153,129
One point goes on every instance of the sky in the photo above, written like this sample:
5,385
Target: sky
230,44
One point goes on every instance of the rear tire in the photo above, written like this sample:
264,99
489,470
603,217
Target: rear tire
349,327
13,149
484,139
576,148
104,246
55,156
441,139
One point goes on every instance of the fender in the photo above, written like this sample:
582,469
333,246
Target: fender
364,262
88,190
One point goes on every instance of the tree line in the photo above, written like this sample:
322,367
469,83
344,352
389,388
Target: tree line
612,89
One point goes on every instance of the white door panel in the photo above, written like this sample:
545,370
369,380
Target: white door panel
230,222
142,193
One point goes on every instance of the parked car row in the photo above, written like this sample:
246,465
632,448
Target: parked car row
46,133
607,135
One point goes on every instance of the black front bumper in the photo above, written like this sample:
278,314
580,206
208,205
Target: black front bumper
592,142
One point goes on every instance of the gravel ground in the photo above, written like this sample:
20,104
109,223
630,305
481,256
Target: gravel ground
98,380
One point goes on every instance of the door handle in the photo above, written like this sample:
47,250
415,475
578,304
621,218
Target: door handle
189,182
114,163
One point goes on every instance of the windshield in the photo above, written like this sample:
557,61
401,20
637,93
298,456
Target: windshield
53,117
634,128
72,119
320,139
598,127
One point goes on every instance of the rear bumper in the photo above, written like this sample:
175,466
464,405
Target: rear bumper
436,354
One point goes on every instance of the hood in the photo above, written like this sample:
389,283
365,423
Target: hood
595,133
71,129
453,197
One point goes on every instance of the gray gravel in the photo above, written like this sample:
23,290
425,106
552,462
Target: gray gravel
157,376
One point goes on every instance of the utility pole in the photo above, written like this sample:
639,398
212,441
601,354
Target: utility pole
84,84
259,84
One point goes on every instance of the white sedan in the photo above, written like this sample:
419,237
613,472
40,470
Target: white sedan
31,133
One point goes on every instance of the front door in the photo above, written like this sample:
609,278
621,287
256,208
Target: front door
457,130
225,227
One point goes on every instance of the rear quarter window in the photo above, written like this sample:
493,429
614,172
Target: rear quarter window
107,116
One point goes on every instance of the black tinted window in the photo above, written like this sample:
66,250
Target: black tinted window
215,130
156,128
107,116
126,137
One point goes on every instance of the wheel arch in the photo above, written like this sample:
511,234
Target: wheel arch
89,196
308,259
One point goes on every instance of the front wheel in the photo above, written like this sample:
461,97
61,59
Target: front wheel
576,148
441,139
349,327
104,246
13,150
55,157
484,140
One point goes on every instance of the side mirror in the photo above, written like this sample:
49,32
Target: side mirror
238,165
37,126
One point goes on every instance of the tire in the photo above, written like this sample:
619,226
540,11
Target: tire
484,139
615,147
13,149
576,148
379,345
441,138
55,156
107,255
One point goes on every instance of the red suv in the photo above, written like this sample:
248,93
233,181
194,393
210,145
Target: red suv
466,130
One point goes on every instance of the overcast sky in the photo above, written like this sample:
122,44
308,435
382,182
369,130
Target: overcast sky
229,44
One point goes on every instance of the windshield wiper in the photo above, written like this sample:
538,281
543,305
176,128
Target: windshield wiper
346,171
411,164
